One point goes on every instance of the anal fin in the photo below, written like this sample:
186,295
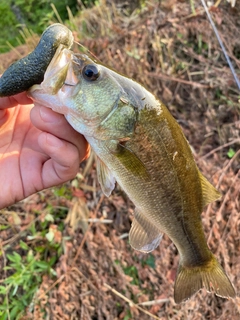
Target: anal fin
144,235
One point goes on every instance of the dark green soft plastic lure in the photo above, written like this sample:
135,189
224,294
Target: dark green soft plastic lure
26,72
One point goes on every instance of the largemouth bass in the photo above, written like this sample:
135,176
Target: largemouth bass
141,146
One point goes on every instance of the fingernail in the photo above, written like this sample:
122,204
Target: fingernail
54,141
48,115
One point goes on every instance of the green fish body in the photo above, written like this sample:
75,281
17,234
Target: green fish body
141,146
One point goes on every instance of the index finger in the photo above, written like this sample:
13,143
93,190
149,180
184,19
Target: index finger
13,101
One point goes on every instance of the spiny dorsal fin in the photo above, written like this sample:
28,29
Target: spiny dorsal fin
209,192
144,236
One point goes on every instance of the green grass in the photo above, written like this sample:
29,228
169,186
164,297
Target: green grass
35,15
28,263
8,25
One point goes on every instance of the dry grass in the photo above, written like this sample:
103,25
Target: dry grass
176,56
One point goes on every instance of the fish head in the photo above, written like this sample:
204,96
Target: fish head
95,100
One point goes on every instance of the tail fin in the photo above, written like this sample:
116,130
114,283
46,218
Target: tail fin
209,275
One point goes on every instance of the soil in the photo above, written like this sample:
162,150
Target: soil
175,55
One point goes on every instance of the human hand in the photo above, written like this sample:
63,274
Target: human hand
38,149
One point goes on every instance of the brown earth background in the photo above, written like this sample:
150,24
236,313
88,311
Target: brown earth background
174,53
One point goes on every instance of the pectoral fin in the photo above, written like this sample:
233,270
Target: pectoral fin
131,162
144,236
209,192
105,178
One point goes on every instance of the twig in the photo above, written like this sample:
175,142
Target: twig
88,281
130,302
220,148
224,202
89,164
89,227
52,286
18,235
220,211
225,169
124,235
219,182
153,302
227,196
216,4
169,78
63,276
95,220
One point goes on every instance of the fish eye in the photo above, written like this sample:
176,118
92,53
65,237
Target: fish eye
90,72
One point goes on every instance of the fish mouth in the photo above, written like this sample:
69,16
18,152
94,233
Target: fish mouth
64,69
58,83
61,83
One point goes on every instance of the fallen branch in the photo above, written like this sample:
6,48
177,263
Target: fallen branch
130,302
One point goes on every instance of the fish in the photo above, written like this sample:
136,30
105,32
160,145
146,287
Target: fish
139,145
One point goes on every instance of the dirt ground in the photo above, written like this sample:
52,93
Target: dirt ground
174,53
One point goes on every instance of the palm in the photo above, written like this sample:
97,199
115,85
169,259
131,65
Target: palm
33,154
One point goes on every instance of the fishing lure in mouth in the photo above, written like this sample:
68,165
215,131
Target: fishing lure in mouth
30,70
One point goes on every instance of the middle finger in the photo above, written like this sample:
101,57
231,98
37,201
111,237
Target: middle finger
47,120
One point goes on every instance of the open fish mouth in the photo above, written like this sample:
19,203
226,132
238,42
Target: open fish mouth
59,80
62,81
58,84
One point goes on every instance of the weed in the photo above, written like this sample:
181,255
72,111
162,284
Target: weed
20,286
231,153
33,14
133,273
128,315
8,25
149,261
26,266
